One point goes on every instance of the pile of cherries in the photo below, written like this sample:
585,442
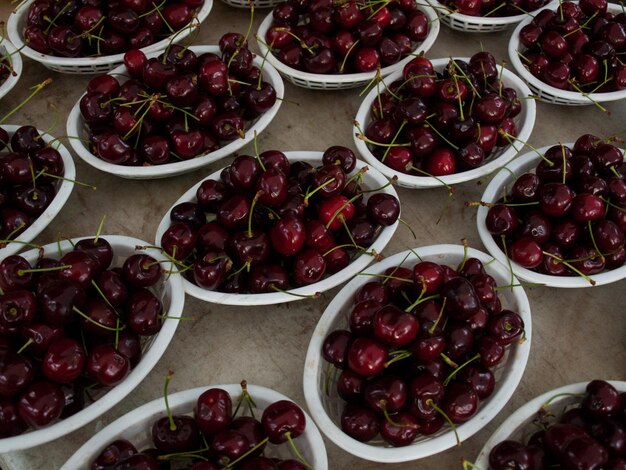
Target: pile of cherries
29,179
568,217
71,28
215,437
420,349
494,8
70,327
325,37
268,224
430,123
176,106
590,434
577,47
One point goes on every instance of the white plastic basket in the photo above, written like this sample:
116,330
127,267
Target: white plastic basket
319,376
64,189
480,24
519,426
8,49
172,295
90,65
499,157
549,93
496,188
316,81
371,179
136,427
76,127
256,3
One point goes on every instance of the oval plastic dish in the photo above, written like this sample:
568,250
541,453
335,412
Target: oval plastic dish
76,127
319,376
171,294
88,65
136,426
371,179
64,189
494,190
499,157
8,49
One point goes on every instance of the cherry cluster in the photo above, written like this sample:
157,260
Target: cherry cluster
588,434
434,124
83,28
420,349
177,106
577,47
69,327
30,172
326,37
215,437
568,217
494,8
269,224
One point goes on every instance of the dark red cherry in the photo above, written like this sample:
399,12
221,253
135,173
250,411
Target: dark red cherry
41,404
213,411
283,420
359,422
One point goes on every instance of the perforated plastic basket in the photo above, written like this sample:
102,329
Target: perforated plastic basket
8,49
89,65
478,24
316,81
548,93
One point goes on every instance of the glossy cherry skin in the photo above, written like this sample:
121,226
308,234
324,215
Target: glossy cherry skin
601,399
510,454
424,391
283,420
213,411
308,267
113,453
41,403
11,424
140,270
57,300
460,402
359,422
335,347
461,299
112,287
16,373
64,361
385,393
17,310
184,437
394,327
144,312
106,365
367,357
506,327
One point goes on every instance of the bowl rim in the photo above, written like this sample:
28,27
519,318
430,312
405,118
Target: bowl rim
188,398
75,121
16,62
61,197
517,418
15,35
484,20
518,358
573,96
527,117
358,264
523,164
137,374
424,46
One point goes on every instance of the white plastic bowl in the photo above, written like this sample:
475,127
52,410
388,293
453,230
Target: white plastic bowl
6,48
494,190
549,93
172,296
256,3
64,189
136,426
479,24
371,179
519,424
76,127
317,81
318,374
499,157
88,65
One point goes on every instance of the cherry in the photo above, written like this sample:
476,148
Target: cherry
283,420
229,445
140,270
63,361
584,452
41,403
57,300
510,454
506,327
460,402
113,453
308,267
17,310
178,434
144,312
385,394
394,327
16,373
335,347
479,378
424,391
367,357
461,299
601,399
213,411
359,422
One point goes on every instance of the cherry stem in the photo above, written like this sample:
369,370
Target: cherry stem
389,419
21,272
5,241
28,343
432,404
570,266
304,296
405,223
397,356
36,89
104,216
52,22
511,139
343,206
431,330
245,395
321,186
421,299
593,241
559,395
455,147
50,175
449,361
242,457
343,62
465,249
91,320
168,378
254,200
395,137
464,75
16,230
296,451
345,226
455,371
508,260
104,297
